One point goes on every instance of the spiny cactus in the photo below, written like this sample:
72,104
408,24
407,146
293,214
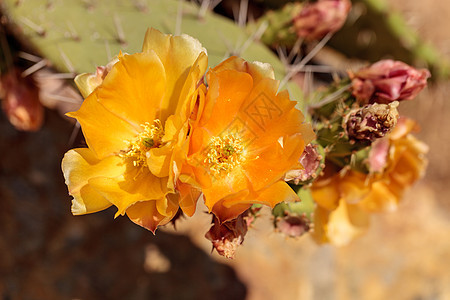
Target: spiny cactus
76,36
372,31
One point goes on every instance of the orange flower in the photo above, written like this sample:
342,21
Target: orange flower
244,138
345,200
135,121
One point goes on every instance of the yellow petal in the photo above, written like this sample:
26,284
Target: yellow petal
130,188
346,223
178,54
326,193
134,88
105,133
80,165
380,199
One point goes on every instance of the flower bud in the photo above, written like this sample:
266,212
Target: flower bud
228,236
312,160
387,81
21,100
371,121
317,19
88,82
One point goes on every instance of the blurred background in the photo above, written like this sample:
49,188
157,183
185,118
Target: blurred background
46,253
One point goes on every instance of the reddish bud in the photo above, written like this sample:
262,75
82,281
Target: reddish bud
387,81
21,100
317,19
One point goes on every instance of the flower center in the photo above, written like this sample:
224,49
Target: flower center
150,137
224,154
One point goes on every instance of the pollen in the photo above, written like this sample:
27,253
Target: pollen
150,137
224,154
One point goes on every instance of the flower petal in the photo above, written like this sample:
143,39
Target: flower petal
177,54
346,223
80,165
146,214
133,186
105,132
134,88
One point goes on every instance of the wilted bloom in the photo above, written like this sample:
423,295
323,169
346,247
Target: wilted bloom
317,19
135,124
244,139
345,200
387,81
228,236
371,121
311,161
20,100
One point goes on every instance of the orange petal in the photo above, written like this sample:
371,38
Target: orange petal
188,198
130,188
79,166
126,91
146,214
105,132
232,206
326,193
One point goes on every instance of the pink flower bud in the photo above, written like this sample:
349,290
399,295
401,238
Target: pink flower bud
21,100
317,19
312,160
387,81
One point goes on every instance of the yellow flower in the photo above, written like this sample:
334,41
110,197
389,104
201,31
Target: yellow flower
244,138
345,200
135,121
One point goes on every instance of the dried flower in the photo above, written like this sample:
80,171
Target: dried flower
370,122
387,81
317,19
20,100
244,139
345,200
228,236
136,124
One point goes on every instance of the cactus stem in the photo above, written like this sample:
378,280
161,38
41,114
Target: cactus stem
38,29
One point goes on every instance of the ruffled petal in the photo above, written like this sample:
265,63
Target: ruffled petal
178,54
135,185
105,132
79,166
146,214
188,198
134,88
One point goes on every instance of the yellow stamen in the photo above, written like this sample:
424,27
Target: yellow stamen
150,137
224,154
